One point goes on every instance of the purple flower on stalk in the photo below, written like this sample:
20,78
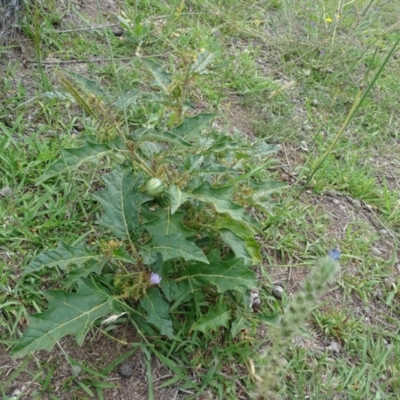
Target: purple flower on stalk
334,254
155,279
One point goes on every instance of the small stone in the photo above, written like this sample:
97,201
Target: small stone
126,370
277,291
389,283
76,370
369,207
384,232
303,145
314,102
307,128
255,300
375,251
335,201
356,203
5,191
379,295
335,347
285,177
367,311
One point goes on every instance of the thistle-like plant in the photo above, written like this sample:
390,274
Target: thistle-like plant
175,232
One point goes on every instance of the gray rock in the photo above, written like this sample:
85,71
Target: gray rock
375,251
277,291
126,369
5,191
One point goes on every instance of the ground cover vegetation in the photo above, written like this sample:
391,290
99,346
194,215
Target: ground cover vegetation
173,176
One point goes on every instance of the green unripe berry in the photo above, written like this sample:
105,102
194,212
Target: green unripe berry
164,200
155,187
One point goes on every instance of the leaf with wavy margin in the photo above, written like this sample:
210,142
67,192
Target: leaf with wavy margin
68,314
157,312
73,158
225,275
213,320
171,246
121,201
165,224
61,257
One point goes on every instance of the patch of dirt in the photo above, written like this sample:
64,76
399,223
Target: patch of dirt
97,353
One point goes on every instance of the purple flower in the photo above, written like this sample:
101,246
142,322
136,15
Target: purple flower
334,254
155,279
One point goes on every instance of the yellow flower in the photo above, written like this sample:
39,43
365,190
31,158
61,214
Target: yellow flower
328,20
257,22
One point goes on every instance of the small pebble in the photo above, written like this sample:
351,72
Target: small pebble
389,283
367,311
335,201
369,207
334,347
379,295
5,191
277,291
376,252
255,300
126,370
285,177
76,370
384,232
356,203
303,146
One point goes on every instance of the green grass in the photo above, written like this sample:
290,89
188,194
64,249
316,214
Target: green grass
296,77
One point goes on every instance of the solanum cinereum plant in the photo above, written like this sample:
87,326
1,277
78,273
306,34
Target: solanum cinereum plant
176,230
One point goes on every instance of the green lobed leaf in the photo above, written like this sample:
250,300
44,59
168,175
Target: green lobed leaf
120,200
162,78
73,158
61,257
157,312
165,224
68,314
171,246
169,288
192,126
237,244
90,85
222,143
220,198
165,137
202,62
213,320
241,238
93,266
240,323
225,275
265,189
177,197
